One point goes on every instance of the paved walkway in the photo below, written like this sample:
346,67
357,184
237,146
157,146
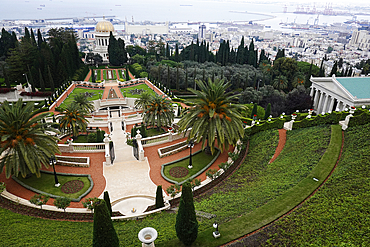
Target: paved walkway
127,177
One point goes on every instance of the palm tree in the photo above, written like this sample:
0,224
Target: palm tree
143,101
280,82
158,112
73,119
214,117
82,101
24,145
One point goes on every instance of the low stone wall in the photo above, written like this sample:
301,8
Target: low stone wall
181,146
74,161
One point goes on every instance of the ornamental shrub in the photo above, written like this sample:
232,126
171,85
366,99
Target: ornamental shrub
107,201
92,137
62,202
254,111
104,234
186,220
39,199
268,111
159,203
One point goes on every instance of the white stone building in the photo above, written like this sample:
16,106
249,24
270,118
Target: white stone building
335,94
102,33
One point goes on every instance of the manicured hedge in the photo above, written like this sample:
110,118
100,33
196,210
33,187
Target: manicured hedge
277,123
360,117
329,118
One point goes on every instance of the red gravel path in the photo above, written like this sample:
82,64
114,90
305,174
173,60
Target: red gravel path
279,148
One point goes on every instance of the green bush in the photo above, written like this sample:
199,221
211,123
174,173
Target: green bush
328,118
107,201
186,221
159,203
362,117
103,230
92,138
62,202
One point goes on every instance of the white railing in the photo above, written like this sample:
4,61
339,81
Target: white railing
155,139
88,147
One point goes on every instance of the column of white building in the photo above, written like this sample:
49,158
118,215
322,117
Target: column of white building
323,100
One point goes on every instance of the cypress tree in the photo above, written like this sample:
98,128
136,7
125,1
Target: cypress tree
159,203
177,79
92,76
186,78
51,81
107,201
168,77
39,38
334,68
268,111
103,232
322,70
186,220
254,111
42,83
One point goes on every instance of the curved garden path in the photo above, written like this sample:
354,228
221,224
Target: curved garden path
280,147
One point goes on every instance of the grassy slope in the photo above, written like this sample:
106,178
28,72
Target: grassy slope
269,211
338,214
37,232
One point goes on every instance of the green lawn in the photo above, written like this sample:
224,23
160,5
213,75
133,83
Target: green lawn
76,91
140,86
199,160
248,198
154,132
46,182
81,139
339,213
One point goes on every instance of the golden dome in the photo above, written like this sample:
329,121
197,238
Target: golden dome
104,26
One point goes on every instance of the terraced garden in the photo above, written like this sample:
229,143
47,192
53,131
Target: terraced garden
254,185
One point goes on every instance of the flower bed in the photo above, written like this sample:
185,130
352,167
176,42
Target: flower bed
73,186
73,161
37,94
178,172
6,90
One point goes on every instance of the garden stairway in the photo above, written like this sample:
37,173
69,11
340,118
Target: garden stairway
128,179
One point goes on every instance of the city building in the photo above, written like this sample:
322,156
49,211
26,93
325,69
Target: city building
102,33
337,93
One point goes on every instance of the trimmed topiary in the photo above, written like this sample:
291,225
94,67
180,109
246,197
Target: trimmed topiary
268,111
159,203
107,201
186,220
104,234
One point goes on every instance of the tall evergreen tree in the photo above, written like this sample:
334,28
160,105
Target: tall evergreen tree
104,234
186,220
39,38
107,202
334,69
51,80
322,69
159,203
42,83
268,111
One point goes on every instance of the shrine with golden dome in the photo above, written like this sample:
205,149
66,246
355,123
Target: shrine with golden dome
102,33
